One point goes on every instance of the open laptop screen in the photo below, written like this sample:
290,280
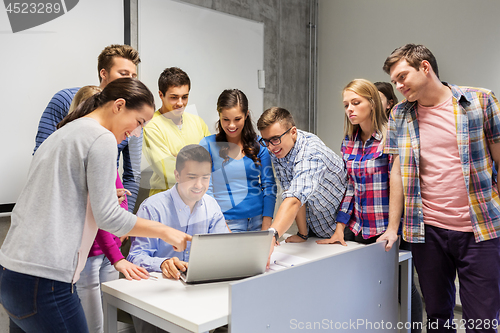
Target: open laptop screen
220,257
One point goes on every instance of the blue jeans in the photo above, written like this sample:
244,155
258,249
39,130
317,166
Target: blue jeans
248,224
35,304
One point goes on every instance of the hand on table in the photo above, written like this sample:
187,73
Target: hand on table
130,270
337,237
273,244
294,239
391,238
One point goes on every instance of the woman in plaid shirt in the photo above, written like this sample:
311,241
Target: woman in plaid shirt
365,207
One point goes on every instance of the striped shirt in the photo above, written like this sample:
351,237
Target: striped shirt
58,108
477,122
314,174
55,111
366,203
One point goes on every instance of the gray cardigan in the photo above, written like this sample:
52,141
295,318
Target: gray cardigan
76,162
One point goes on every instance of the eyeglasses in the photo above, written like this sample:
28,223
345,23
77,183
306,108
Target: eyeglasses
274,140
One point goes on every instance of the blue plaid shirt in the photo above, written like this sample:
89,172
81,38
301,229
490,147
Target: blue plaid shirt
314,174
477,122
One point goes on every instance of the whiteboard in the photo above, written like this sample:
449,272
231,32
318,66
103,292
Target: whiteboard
218,51
38,62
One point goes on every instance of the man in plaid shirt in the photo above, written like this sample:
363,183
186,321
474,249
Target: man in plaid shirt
312,176
444,140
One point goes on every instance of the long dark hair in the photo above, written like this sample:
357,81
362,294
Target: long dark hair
133,91
228,99
386,89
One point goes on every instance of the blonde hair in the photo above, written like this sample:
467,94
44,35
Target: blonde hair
366,89
82,94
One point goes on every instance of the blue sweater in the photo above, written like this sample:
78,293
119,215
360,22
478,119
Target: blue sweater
242,188
58,108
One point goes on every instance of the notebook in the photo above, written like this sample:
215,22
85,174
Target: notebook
222,257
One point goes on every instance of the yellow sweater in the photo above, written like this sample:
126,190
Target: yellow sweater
163,140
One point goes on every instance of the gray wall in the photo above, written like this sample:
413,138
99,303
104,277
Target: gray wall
286,49
356,36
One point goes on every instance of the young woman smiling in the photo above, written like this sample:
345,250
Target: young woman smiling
242,179
69,194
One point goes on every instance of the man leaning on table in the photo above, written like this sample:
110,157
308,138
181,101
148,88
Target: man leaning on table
185,207
312,176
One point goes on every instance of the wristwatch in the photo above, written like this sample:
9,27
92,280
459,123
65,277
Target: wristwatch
275,232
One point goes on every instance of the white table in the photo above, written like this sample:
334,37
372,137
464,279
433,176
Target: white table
311,250
178,308
168,304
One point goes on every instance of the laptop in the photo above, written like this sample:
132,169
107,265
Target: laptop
231,256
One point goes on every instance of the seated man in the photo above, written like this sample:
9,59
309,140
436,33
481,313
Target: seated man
313,178
184,207
170,129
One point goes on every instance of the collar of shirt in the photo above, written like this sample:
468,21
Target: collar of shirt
355,149
457,93
353,146
375,135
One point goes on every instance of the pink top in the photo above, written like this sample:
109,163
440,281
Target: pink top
444,196
108,243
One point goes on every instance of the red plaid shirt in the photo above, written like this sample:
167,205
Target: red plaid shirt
365,206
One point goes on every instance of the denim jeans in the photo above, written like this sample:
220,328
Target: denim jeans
247,224
36,304
98,269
